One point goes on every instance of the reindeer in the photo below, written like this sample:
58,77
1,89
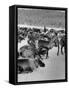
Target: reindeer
28,52
46,44
62,44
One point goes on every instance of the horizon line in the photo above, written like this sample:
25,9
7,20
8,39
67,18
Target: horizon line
41,27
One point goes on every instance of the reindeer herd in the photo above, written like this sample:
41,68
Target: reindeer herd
30,56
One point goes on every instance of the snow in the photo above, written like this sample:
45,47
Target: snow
54,69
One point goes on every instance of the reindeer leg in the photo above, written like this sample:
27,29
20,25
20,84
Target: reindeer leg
41,64
62,50
58,49
47,54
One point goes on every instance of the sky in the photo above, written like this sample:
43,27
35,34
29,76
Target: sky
39,17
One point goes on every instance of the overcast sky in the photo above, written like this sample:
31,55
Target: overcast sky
41,17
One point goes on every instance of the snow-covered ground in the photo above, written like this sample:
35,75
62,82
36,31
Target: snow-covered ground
54,69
